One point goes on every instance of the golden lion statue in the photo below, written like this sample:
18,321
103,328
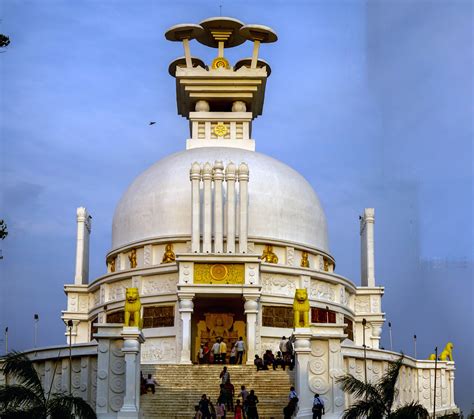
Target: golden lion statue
132,308
446,354
301,308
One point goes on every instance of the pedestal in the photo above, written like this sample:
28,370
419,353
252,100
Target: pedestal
133,338
186,308
302,347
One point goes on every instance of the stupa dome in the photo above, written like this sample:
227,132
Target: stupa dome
282,204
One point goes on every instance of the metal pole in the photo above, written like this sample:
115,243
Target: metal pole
414,340
36,318
434,395
6,340
390,334
364,322
69,325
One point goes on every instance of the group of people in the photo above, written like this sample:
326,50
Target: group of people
217,354
244,408
285,357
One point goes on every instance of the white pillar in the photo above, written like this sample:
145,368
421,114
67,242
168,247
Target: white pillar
82,247
230,173
218,210
251,311
133,338
186,307
302,348
367,248
207,208
195,176
244,201
187,53
256,46
336,370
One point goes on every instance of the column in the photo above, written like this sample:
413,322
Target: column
195,176
367,248
186,307
336,369
133,338
207,209
302,348
82,247
230,173
243,199
251,311
218,209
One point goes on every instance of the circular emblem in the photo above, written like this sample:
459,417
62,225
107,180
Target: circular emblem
220,62
219,272
220,130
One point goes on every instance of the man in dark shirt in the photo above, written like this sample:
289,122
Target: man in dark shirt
252,401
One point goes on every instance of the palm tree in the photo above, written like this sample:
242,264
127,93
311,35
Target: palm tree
26,398
375,401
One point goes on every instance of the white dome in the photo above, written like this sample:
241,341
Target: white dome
282,204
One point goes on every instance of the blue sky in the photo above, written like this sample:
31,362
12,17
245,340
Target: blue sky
370,101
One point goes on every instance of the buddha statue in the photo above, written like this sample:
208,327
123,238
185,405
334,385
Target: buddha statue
112,265
304,260
268,255
132,257
169,255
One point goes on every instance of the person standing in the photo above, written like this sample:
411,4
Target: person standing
223,351
244,393
224,376
292,394
252,401
233,355
150,383
204,407
216,350
282,347
239,413
240,346
318,407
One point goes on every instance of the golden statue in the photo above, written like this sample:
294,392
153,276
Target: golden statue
112,265
133,258
326,264
446,355
304,260
268,255
132,308
301,307
219,325
169,255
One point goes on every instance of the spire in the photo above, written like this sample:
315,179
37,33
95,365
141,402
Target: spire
220,100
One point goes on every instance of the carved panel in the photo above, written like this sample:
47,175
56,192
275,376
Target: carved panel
229,273
161,285
290,256
322,291
147,255
278,285
117,290
362,304
272,344
159,350
275,316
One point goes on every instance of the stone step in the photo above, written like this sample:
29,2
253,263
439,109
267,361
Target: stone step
181,386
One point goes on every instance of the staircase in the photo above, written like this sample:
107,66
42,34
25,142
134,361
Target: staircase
181,387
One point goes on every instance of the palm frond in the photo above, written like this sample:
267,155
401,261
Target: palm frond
17,397
386,385
18,365
371,409
413,410
33,413
61,406
358,388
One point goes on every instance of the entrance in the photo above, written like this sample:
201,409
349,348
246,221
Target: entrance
215,317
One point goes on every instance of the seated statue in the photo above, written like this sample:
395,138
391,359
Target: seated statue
169,255
268,255
304,260
132,308
301,308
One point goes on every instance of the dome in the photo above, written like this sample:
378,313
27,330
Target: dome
282,204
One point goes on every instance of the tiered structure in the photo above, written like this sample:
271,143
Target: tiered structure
218,237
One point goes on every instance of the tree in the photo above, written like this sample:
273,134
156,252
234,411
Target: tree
4,41
3,229
26,398
375,401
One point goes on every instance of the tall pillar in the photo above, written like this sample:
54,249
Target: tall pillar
207,208
251,311
243,199
230,173
218,214
336,369
186,307
133,338
367,248
302,347
82,247
195,176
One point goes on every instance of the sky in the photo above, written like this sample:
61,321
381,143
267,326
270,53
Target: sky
372,101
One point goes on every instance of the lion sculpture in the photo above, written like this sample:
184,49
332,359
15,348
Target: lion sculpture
446,355
301,308
132,308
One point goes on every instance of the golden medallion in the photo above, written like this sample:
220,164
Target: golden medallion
220,130
219,272
220,62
